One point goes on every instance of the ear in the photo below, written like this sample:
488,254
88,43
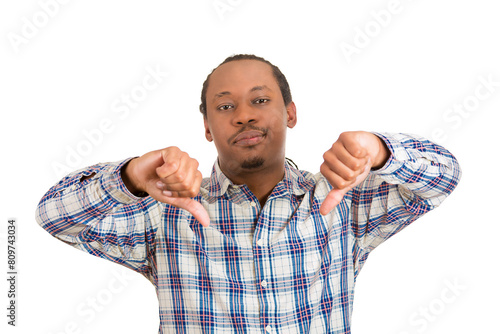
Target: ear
291,113
208,134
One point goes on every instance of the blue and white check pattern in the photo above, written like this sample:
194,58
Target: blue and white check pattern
282,268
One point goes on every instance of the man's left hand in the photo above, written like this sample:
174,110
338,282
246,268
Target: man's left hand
348,162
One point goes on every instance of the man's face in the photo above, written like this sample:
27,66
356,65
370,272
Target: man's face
247,118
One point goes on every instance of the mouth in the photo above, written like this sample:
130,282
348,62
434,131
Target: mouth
249,138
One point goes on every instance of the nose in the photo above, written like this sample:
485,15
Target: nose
244,115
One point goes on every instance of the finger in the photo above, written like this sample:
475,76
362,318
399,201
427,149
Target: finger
333,199
184,177
353,144
171,162
348,173
336,180
335,196
340,152
193,207
361,177
189,187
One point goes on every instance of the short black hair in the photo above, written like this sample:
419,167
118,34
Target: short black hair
280,78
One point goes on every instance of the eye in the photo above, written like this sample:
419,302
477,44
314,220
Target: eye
261,101
225,107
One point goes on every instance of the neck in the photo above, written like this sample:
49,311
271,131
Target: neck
261,181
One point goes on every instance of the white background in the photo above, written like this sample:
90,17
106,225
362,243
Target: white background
62,78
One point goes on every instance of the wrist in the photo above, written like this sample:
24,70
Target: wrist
383,154
127,175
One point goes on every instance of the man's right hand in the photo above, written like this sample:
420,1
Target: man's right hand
169,176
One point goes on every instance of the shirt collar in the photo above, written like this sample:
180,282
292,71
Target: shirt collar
294,182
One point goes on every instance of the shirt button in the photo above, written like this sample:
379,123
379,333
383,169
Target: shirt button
252,204
260,242
263,283
268,329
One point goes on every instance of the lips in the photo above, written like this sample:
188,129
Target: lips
249,138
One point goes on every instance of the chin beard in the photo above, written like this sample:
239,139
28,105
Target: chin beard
252,163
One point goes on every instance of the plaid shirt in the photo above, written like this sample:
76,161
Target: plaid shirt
281,268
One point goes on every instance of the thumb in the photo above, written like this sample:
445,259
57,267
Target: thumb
333,199
193,207
335,196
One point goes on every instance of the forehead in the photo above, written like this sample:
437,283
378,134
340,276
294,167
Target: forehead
241,75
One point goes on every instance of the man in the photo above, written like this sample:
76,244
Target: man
259,246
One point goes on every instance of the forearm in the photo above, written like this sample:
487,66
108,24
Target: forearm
129,180
82,199
415,179
426,171
93,211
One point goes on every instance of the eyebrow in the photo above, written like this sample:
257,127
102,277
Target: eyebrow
263,87
221,94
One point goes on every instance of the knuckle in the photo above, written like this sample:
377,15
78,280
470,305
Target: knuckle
180,176
167,152
341,184
329,156
345,135
196,164
173,149
323,168
171,164
161,173
192,193
186,184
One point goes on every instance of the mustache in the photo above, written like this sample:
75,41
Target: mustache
247,128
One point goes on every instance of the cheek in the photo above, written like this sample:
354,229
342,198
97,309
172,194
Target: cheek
218,136
279,123
213,126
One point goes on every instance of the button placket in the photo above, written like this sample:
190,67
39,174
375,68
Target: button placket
262,262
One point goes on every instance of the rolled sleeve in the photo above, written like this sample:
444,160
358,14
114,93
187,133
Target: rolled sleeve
416,178
92,210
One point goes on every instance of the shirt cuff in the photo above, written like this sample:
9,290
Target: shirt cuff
398,156
112,183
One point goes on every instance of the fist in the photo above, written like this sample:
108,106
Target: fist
170,176
178,176
348,162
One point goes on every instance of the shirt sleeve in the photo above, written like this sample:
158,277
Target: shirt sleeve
417,178
100,216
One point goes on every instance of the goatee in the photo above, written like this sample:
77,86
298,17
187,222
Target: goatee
252,163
